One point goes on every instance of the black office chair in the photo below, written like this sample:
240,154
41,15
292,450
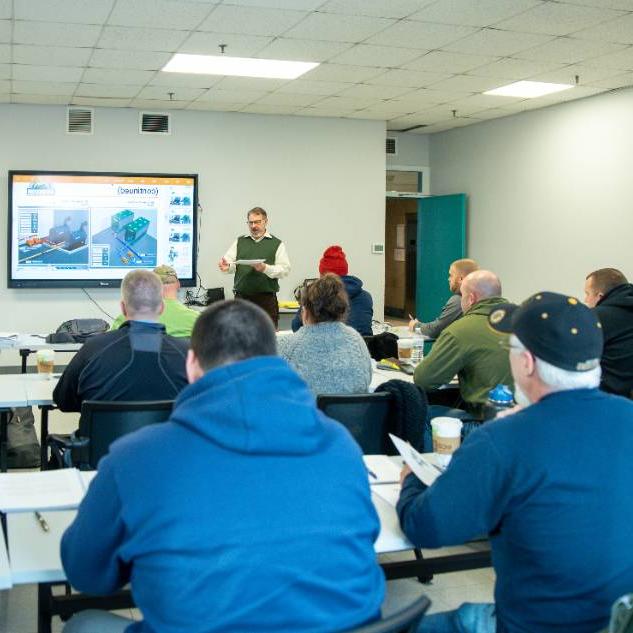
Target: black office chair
403,621
365,415
101,424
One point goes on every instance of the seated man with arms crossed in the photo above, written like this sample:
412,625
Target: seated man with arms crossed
550,485
248,510
139,361
177,318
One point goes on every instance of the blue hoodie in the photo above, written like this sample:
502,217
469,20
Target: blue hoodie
249,510
361,307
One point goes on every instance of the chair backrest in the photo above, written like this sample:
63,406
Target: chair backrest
402,621
365,415
104,422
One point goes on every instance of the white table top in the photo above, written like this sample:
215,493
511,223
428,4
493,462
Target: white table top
23,390
383,375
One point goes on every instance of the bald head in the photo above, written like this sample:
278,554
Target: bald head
482,284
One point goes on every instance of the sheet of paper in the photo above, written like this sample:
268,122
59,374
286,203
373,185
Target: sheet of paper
389,492
46,490
249,262
424,470
381,469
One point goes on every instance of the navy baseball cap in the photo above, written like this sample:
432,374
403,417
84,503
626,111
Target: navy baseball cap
557,328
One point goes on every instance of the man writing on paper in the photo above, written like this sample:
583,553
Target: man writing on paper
257,281
248,510
550,484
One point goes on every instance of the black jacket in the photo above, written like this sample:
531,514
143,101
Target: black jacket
139,361
615,312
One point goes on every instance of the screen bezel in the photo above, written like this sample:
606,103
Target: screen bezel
93,283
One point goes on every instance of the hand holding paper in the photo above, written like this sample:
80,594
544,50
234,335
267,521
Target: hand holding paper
424,470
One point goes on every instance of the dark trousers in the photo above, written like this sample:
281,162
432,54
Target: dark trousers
267,301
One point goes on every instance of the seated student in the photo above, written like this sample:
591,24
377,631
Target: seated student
329,355
177,318
361,305
611,295
550,485
139,361
248,510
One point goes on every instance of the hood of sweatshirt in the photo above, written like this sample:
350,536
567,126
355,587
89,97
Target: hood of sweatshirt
256,406
486,306
353,285
619,297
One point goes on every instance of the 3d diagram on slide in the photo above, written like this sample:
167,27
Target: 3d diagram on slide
53,237
124,238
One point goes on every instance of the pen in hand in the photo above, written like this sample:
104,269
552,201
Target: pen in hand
42,521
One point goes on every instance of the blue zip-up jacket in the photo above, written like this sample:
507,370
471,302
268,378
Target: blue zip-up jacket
551,485
248,510
361,307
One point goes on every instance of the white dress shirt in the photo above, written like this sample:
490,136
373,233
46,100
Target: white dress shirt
278,270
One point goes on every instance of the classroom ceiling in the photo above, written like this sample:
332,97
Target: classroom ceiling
408,62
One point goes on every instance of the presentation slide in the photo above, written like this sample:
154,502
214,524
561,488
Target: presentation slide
96,227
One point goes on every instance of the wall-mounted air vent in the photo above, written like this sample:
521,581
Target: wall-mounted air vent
392,145
79,120
154,123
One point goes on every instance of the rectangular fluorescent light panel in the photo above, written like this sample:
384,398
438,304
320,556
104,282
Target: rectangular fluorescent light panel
528,89
237,66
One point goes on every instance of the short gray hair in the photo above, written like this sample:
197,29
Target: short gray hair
142,292
558,379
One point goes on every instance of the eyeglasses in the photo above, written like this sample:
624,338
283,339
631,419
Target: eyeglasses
254,222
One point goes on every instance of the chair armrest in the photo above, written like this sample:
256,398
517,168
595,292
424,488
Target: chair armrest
62,447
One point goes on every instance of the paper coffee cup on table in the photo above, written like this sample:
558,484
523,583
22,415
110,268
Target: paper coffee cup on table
45,362
405,347
446,438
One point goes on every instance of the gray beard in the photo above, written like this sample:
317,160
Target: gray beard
520,397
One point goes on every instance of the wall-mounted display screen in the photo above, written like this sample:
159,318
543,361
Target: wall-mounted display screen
81,229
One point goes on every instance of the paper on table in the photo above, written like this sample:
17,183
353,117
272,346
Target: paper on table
385,471
424,470
389,492
47,490
249,262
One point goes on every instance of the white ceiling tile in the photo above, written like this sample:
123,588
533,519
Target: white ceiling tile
43,88
625,5
377,8
337,72
368,115
397,124
623,80
159,13
262,108
579,92
622,60
302,50
184,80
366,91
476,103
495,42
159,92
514,69
289,99
5,31
117,76
5,53
407,78
142,60
52,33
326,111
299,5
452,63
251,20
469,13
139,39
567,74
250,83
382,56
41,99
324,88
73,11
569,50
492,113
5,9
467,83
557,19
57,74
5,71
50,55
106,90
157,105
618,31
429,96
329,26
216,107
422,35
105,102
236,45
343,103
387,108
232,96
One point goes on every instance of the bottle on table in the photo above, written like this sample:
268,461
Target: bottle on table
417,351
500,399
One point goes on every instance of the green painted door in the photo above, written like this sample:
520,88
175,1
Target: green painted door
441,240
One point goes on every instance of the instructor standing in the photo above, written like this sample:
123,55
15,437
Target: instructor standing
257,282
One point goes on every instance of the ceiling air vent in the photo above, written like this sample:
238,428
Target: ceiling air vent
154,123
392,146
79,120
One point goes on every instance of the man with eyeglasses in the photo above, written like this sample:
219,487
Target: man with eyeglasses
257,281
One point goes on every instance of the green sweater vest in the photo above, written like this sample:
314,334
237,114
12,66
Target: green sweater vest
247,280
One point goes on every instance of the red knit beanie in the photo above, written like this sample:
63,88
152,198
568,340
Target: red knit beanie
333,261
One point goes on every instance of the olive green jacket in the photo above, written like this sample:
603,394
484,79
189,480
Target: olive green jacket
470,348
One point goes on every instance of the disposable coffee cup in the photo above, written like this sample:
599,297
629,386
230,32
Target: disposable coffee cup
405,347
45,362
446,438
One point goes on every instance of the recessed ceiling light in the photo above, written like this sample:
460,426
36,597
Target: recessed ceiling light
237,66
528,89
